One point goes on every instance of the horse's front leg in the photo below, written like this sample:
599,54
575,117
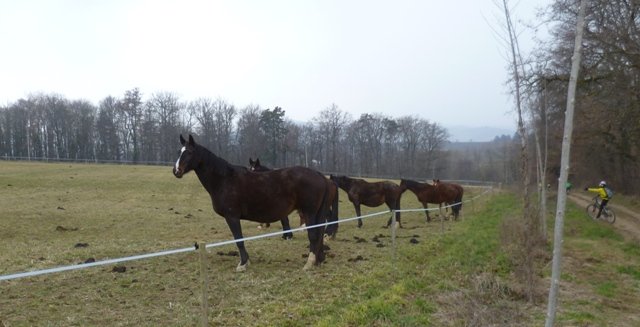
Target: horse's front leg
357,207
426,211
236,230
286,226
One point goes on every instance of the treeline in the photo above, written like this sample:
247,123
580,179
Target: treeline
606,132
137,130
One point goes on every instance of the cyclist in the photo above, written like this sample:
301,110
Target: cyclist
602,193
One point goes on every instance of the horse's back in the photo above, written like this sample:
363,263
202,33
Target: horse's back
274,194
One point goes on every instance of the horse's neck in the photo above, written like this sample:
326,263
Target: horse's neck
347,183
212,171
414,186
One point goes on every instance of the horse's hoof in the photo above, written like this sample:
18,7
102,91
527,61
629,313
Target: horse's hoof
311,260
241,267
287,237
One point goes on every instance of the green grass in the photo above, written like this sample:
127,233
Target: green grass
459,277
603,286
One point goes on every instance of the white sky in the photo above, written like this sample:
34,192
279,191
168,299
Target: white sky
439,60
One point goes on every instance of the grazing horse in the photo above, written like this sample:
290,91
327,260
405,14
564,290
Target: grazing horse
427,193
237,193
374,194
332,230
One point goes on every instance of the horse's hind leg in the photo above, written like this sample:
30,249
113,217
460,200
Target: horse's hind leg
394,206
357,206
316,250
286,227
236,230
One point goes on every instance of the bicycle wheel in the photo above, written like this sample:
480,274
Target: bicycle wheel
610,216
592,211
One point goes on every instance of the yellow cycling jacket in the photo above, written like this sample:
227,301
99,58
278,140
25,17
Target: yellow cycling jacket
601,192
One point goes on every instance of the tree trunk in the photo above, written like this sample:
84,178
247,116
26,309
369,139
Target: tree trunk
564,169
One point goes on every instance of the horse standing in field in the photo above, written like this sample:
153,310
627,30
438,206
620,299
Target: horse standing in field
452,190
427,193
331,230
257,167
374,194
237,193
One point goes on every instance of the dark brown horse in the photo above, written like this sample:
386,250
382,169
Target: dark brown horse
237,193
374,194
254,165
427,193
257,167
332,230
451,191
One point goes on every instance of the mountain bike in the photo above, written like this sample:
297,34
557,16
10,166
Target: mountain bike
607,215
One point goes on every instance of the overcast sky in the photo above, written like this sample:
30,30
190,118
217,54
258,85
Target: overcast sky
439,60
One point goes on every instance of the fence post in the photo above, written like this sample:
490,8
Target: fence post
203,275
393,233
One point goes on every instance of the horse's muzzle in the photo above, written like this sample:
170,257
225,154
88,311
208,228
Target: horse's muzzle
177,172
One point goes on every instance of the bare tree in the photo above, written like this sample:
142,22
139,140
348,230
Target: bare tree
249,137
107,142
331,123
224,114
130,112
203,111
164,109
564,173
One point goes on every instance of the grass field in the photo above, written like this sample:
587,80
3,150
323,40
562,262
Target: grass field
63,214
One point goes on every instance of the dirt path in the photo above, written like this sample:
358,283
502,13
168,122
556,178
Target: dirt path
627,221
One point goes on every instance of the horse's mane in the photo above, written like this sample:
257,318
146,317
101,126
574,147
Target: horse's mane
410,182
220,166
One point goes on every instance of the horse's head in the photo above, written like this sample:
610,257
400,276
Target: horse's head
188,159
254,165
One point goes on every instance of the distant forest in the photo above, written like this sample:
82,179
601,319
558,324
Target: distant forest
137,130
605,140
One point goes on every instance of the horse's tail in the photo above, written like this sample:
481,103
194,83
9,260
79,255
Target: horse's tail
332,189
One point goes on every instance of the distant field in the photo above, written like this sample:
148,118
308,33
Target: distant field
63,214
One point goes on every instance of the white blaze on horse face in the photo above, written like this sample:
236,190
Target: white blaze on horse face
178,161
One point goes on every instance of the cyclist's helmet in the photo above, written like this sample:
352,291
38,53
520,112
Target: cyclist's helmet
603,183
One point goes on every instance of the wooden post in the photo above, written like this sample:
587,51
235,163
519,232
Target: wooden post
393,233
203,275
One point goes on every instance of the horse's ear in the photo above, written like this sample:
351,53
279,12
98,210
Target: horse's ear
251,162
182,141
191,141
257,161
